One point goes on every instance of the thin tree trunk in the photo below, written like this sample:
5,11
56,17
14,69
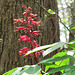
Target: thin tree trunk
72,36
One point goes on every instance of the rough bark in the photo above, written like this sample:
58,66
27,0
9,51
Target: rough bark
9,47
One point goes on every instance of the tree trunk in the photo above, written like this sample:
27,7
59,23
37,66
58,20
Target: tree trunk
51,27
72,36
9,47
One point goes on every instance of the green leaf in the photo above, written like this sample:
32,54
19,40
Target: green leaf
46,63
58,45
60,54
64,21
46,68
69,72
40,74
72,44
17,71
45,16
32,70
71,28
73,72
40,48
62,62
0,40
60,68
10,72
70,0
54,59
51,11
72,59
51,66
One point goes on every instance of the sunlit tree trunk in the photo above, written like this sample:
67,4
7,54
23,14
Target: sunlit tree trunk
72,35
9,47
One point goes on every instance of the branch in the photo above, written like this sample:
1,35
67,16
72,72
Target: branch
56,14
68,6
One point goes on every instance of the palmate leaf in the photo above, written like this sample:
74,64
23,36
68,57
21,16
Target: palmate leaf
54,59
58,45
46,47
60,68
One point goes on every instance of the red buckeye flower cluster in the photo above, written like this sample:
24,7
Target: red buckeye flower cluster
26,25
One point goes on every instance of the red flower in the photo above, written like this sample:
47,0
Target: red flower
35,44
24,6
24,50
22,20
36,23
19,28
37,54
41,52
24,13
19,40
27,30
32,15
20,52
30,19
30,8
18,20
34,41
25,38
36,33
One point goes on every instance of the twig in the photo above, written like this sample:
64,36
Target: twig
57,16
68,6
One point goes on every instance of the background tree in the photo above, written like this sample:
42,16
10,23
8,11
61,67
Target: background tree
72,26
9,47
72,37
